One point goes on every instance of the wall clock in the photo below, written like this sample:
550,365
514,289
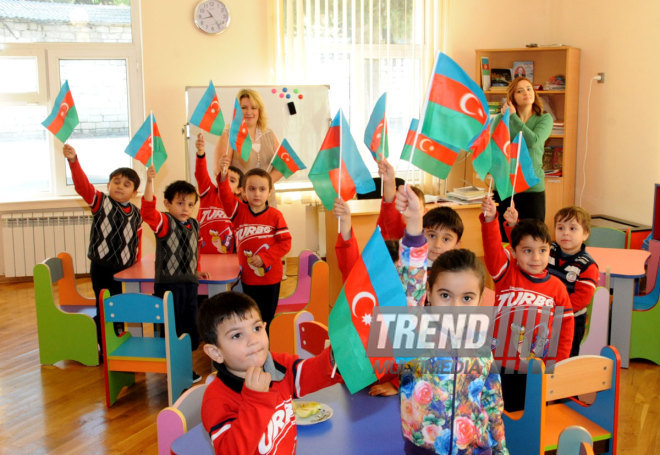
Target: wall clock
211,16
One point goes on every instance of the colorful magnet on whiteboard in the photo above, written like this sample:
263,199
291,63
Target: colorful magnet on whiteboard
295,90
274,90
300,96
284,89
281,95
288,95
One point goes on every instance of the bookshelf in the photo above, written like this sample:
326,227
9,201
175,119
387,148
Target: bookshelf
548,62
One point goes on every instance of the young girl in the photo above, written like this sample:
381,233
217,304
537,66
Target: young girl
262,238
455,413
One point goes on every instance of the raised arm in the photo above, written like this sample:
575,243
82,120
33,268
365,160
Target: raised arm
80,182
222,148
204,183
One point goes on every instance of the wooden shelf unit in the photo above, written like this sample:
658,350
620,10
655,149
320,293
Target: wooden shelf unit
548,62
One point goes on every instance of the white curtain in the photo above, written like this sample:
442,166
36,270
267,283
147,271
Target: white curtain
362,48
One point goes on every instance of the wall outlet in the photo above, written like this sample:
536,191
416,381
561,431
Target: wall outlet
602,78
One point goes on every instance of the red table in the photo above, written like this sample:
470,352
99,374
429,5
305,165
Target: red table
623,265
223,268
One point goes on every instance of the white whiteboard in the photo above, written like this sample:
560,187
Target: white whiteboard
304,130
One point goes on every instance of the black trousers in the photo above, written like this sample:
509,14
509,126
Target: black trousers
103,278
514,386
528,205
578,333
266,296
184,296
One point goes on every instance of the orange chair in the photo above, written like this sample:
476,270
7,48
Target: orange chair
283,328
311,337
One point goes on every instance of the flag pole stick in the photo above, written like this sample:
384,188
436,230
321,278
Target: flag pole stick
341,126
421,120
151,135
515,177
269,167
490,186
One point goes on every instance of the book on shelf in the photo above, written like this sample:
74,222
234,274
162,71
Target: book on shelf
500,78
552,160
485,73
525,69
557,128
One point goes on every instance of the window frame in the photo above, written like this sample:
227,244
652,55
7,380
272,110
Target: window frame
48,56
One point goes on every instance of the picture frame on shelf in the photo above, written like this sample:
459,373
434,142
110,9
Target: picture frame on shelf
500,78
524,68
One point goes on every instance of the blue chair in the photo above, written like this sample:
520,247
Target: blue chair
126,354
606,237
536,429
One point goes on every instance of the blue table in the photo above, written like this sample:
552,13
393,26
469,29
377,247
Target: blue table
360,424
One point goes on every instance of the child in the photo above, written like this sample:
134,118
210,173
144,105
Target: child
216,234
262,238
522,281
443,229
459,412
570,262
247,408
177,240
114,240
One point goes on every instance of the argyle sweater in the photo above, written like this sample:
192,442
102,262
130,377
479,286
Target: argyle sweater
265,234
538,296
176,245
241,421
114,239
216,233
578,272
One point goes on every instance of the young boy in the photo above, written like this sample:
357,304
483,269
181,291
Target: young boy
216,234
522,281
443,229
570,262
114,240
177,239
262,238
247,408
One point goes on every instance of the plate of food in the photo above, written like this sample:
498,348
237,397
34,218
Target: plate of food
311,412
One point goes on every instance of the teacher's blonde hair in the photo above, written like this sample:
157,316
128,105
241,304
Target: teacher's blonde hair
256,100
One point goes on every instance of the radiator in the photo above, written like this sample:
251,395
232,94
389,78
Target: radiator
30,237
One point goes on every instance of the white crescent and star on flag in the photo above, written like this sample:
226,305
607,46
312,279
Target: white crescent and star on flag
64,108
366,317
478,112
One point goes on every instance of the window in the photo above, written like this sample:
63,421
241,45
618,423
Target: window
361,48
96,48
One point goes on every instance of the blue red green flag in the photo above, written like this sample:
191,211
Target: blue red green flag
338,170
147,145
481,152
429,155
457,109
64,116
286,161
523,176
375,135
239,139
373,282
208,115
500,151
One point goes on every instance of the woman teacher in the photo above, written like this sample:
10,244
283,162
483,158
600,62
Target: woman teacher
264,142
527,115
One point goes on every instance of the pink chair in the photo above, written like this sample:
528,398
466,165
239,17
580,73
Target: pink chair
183,415
300,297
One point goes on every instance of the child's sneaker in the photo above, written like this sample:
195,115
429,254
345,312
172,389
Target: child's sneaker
196,377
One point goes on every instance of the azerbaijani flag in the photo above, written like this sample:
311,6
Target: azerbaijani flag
64,117
375,135
457,109
338,170
523,176
481,152
373,281
147,145
429,155
208,115
286,161
500,147
239,139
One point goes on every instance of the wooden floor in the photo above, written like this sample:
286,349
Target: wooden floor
61,409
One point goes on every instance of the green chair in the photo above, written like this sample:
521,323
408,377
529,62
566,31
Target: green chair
66,331
606,237
126,354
